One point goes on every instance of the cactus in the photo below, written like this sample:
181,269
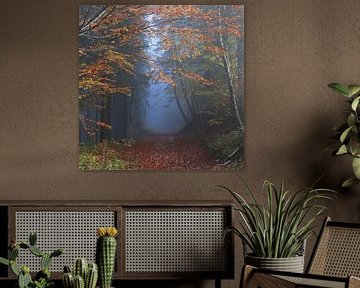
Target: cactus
87,272
57,253
79,282
67,269
44,273
24,246
106,254
24,278
36,251
80,268
13,253
68,280
14,268
45,261
91,276
32,238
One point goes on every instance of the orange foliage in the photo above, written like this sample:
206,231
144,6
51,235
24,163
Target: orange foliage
114,44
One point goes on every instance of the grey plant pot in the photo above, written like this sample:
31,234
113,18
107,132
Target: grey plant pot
291,264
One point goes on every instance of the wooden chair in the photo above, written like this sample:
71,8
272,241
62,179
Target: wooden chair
335,262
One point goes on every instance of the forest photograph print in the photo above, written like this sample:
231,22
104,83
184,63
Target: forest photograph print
161,87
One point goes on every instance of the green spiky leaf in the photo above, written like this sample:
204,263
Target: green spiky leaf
279,228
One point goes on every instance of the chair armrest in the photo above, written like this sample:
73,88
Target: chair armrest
252,277
354,282
246,273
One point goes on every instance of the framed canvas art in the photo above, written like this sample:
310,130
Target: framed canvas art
161,87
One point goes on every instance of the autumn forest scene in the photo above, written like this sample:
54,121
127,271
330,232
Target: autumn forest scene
161,87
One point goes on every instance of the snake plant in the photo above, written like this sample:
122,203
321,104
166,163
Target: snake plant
279,228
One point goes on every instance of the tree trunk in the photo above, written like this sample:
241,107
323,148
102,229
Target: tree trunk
229,77
104,118
182,112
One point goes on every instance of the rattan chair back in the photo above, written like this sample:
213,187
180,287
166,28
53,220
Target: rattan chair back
337,252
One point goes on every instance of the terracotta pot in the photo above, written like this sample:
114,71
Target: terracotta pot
291,264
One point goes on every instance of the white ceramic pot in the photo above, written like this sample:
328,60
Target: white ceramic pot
291,264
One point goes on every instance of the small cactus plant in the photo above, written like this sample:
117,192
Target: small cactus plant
42,278
85,275
106,254
81,267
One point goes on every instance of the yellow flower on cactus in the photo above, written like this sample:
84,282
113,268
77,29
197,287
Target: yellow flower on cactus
107,231
25,269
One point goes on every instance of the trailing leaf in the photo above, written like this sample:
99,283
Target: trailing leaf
342,150
349,132
349,182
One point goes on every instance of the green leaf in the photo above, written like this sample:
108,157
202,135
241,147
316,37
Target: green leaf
280,228
342,150
351,120
353,89
356,167
345,134
354,145
355,103
349,182
14,268
4,261
340,88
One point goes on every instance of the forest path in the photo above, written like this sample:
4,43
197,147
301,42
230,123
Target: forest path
170,152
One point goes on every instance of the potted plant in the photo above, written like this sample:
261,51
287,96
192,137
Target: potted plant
348,132
42,278
276,233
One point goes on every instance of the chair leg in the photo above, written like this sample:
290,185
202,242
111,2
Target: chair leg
217,283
